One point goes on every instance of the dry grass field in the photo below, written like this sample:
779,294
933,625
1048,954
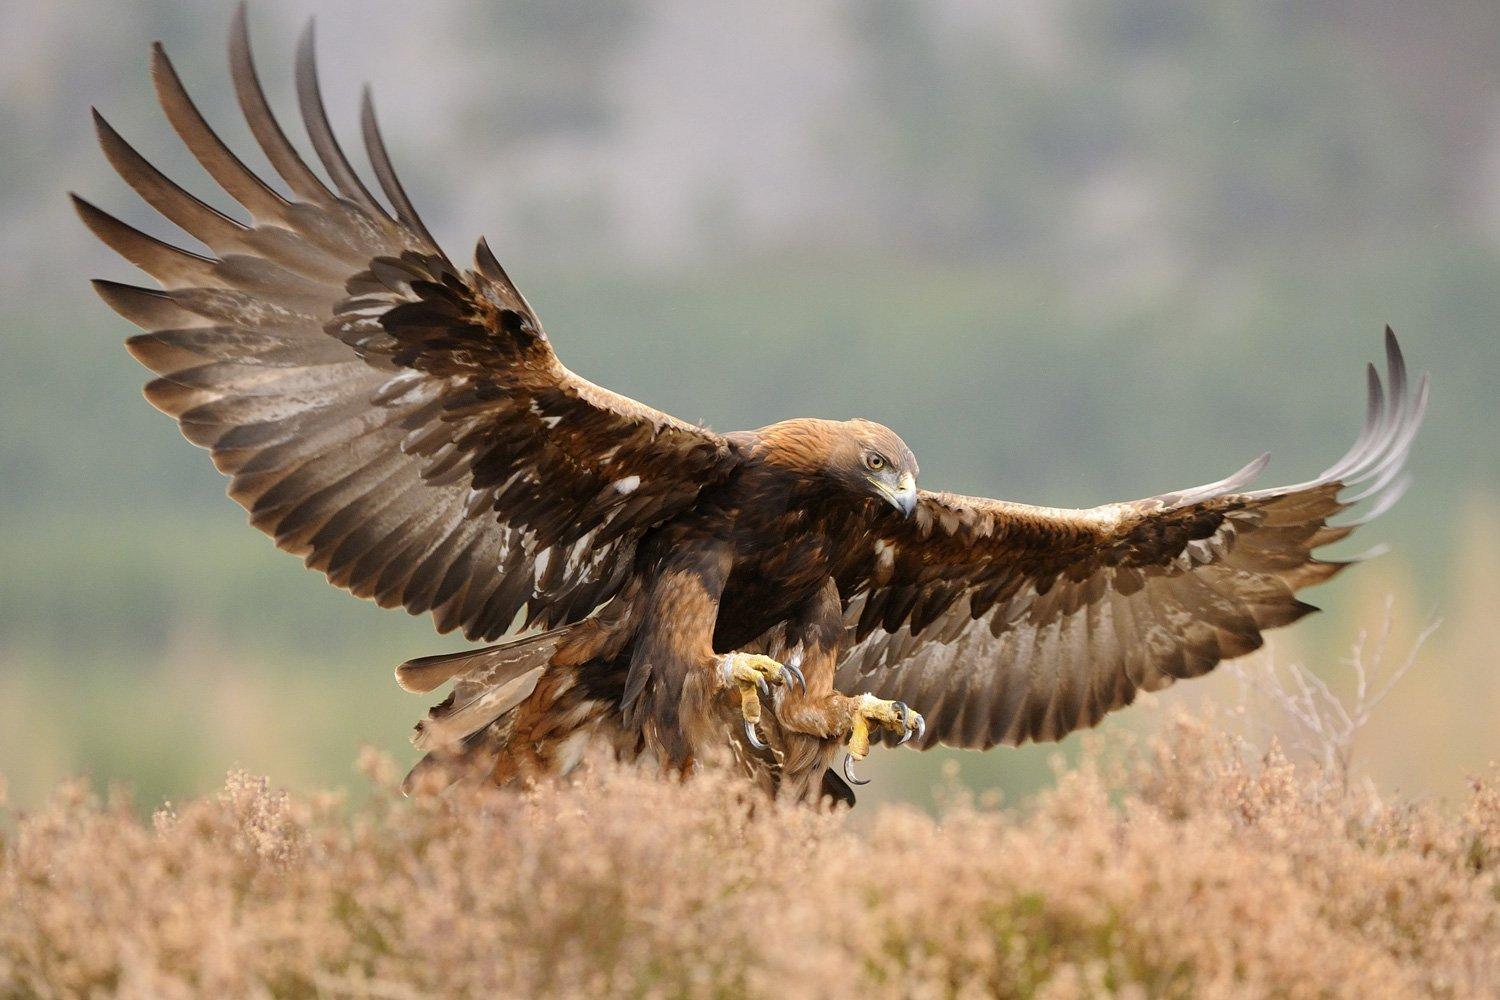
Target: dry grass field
1192,865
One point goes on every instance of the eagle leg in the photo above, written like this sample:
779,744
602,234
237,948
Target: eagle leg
752,675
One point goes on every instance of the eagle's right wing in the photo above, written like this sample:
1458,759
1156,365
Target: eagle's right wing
401,424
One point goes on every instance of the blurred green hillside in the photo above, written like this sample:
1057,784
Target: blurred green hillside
1072,252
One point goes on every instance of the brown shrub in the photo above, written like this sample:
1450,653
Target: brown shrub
1194,870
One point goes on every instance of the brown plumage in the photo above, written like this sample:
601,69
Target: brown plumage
405,427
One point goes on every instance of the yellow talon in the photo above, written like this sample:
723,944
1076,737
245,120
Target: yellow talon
859,734
870,712
753,674
750,702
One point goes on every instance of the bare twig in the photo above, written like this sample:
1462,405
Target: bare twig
1325,726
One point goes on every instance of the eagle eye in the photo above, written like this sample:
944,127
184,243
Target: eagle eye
874,462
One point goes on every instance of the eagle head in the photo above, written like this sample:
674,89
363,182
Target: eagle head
857,456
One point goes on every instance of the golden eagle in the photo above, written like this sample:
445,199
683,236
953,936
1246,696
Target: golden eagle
769,595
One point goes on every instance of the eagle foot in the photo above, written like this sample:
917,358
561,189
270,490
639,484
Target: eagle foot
873,717
752,675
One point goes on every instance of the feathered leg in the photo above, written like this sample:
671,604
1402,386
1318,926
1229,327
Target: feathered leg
679,690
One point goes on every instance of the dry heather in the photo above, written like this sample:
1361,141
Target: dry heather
1194,869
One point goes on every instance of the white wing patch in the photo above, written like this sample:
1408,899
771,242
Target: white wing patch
885,561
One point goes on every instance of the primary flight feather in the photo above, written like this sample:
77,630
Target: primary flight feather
764,596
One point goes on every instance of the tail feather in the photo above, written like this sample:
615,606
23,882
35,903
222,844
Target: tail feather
473,733
472,759
489,683
428,672
452,721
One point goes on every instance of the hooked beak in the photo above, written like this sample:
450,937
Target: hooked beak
903,496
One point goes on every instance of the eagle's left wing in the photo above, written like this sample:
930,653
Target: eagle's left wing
1003,623
400,423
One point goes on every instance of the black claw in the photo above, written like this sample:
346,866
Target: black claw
849,775
765,688
794,676
921,727
750,735
903,716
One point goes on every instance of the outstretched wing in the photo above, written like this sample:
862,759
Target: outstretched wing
1004,623
402,425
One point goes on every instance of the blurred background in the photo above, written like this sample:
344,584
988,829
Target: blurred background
1072,250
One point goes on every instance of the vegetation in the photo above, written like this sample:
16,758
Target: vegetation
1197,868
